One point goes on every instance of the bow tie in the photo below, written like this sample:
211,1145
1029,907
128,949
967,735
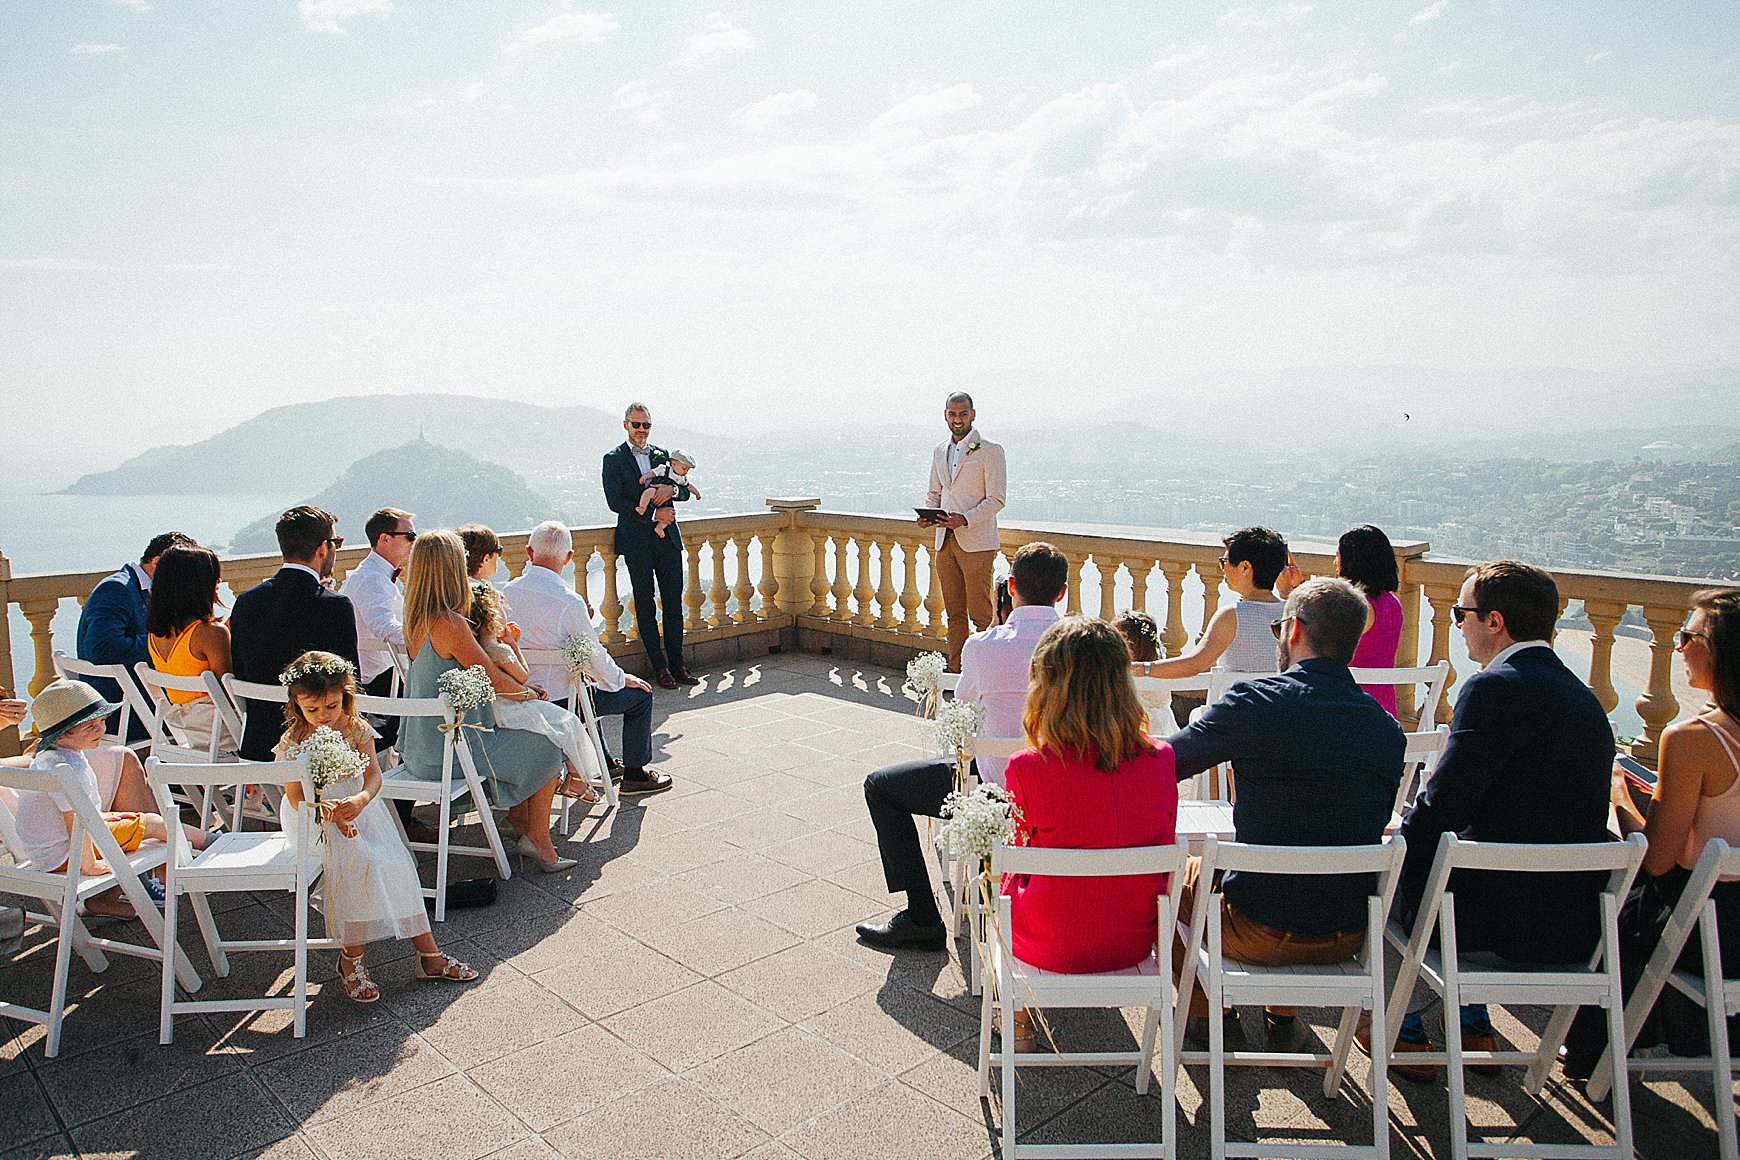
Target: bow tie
397,572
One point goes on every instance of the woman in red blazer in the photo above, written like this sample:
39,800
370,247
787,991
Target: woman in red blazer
1093,779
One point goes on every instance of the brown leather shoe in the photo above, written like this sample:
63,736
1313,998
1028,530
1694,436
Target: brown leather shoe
684,677
640,782
664,680
417,831
1419,1073
1483,1041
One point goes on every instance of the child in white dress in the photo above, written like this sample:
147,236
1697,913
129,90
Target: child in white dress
498,638
369,890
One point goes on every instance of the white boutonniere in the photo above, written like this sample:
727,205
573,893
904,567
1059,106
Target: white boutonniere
972,447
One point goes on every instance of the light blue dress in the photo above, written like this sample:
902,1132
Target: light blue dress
512,762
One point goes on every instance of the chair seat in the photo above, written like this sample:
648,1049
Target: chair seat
1139,985
34,883
268,856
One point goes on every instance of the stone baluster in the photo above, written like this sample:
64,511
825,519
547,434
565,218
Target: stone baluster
1408,653
1139,572
1173,635
693,594
1658,706
1604,618
1442,597
1108,569
1072,606
1210,594
819,577
842,586
909,597
769,586
863,593
40,614
744,589
719,594
936,624
885,592
611,606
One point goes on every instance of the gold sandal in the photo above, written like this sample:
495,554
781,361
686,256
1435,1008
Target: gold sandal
452,970
357,984
586,794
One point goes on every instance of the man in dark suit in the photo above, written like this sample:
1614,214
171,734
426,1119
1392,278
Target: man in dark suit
112,624
276,621
651,558
1530,759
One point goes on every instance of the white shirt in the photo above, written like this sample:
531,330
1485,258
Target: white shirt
642,457
1506,653
41,817
994,666
957,448
303,568
139,575
549,611
380,612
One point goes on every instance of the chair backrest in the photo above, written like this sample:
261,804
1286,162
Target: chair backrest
1001,747
162,776
1419,758
1154,685
12,780
558,658
226,718
404,707
133,702
387,653
87,817
240,692
1052,861
1434,677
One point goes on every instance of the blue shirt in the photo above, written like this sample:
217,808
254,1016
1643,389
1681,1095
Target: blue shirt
1317,762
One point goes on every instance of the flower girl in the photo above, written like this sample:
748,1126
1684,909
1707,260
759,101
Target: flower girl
369,890
496,636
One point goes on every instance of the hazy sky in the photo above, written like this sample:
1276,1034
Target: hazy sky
838,210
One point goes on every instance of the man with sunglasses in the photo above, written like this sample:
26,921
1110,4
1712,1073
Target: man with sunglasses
279,619
653,561
1530,759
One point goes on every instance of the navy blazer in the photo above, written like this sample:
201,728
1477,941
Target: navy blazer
1530,759
622,488
112,628
272,624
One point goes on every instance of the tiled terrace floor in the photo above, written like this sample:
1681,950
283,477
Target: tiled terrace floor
692,989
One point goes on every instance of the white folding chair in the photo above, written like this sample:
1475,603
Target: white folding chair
581,705
1718,996
1354,986
1419,759
168,740
396,785
390,655
133,702
1434,677
1565,987
66,888
1156,693
236,863
965,905
1148,984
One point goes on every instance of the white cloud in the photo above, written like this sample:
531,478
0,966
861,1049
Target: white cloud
1177,57
97,49
1430,12
474,92
329,15
925,106
1598,57
769,111
636,98
718,35
583,27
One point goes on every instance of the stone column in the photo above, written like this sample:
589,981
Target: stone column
1658,706
1442,597
40,614
1604,618
790,557
1173,635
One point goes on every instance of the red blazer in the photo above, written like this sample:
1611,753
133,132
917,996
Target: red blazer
1082,925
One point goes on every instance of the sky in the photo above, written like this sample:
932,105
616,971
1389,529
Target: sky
823,214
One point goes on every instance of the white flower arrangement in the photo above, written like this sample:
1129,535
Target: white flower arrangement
579,651
975,820
924,674
466,689
331,758
972,447
956,725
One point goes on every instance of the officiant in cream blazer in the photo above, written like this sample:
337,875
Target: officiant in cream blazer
968,480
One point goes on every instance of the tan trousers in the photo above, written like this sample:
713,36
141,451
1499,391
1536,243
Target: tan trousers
966,591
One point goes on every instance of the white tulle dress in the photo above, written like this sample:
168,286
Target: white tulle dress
547,720
369,890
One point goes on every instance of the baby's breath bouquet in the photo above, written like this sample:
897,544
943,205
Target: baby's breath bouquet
331,758
466,689
955,725
924,676
975,820
579,651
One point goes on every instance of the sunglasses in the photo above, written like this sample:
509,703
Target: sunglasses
1275,625
336,542
409,537
639,426
1459,613
1685,636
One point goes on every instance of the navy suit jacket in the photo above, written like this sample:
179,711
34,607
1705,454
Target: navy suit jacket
1530,759
272,624
112,628
622,488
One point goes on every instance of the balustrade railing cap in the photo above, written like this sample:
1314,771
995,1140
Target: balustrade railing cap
794,505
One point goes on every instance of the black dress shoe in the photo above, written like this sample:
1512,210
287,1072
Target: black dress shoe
664,680
901,932
684,677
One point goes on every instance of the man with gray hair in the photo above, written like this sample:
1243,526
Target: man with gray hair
548,611
1317,762
969,483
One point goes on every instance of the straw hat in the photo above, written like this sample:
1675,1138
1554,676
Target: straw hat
62,705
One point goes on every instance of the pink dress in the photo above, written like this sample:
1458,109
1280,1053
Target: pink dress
1081,925
1377,648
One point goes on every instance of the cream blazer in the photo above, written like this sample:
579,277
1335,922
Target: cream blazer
978,490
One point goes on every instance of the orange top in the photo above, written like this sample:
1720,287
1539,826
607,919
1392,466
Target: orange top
180,662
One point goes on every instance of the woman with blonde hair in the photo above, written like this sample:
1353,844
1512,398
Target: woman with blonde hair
519,768
1094,779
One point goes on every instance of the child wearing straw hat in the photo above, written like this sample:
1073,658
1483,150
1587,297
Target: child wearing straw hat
69,718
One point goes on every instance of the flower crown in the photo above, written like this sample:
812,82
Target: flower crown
1142,625
337,667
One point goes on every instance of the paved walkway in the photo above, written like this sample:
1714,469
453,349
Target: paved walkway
692,989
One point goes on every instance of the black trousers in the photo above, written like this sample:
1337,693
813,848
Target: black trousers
659,562
894,794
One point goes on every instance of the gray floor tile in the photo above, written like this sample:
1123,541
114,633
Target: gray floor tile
133,1071
25,1111
893,1122
813,907
674,1121
720,941
615,979
689,1027
779,1082
800,981
224,1117
893,1029
446,1120
555,1081
473,1025
354,1072
739,879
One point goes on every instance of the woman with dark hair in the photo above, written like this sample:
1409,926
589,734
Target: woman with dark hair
184,635
1696,798
1365,559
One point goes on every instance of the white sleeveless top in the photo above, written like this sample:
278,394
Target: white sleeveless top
1253,646
1719,816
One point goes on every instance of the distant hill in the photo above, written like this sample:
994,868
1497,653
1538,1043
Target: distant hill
317,441
442,486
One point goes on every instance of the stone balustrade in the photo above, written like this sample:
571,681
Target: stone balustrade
872,579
